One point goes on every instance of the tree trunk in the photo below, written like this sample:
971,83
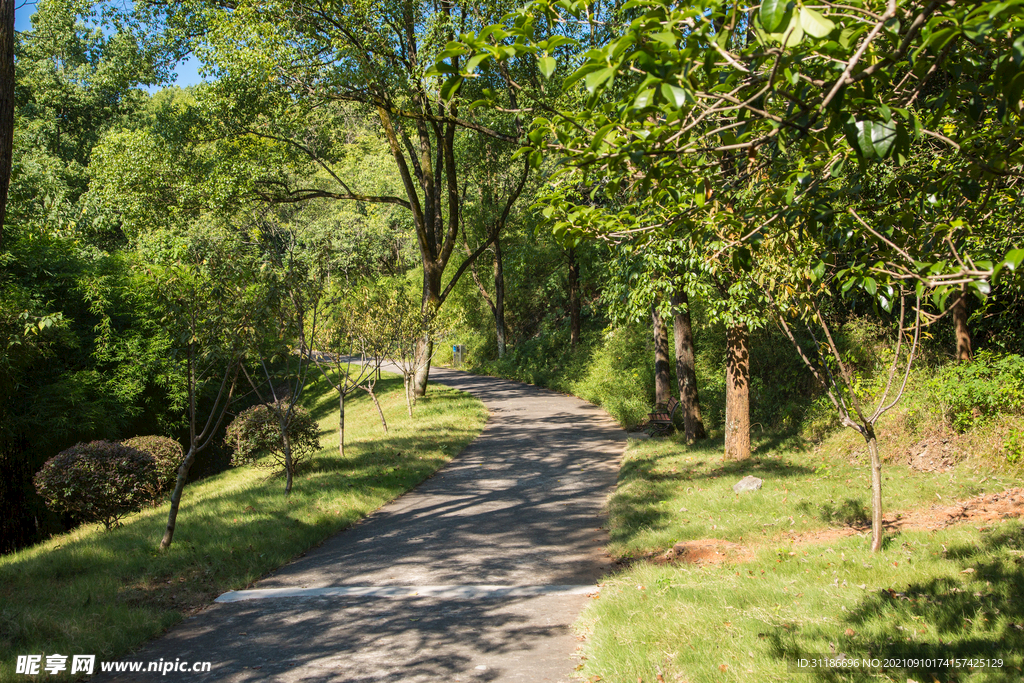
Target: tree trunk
499,298
341,424
289,467
368,388
407,381
574,298
179,486
686,368
662,378
963,333
424,352
876,493
6,104
737,393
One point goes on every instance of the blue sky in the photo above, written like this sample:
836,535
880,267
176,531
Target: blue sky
188,70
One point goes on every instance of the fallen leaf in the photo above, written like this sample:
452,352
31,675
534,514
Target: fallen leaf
723,667
849,633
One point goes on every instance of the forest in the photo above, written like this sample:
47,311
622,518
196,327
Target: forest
802,220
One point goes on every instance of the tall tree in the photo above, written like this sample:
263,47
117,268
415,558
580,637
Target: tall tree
207,305
6,104
290,71
960,328
686,369
662,390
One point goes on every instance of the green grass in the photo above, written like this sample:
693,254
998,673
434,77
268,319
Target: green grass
669,493
756,617
105,593
751,621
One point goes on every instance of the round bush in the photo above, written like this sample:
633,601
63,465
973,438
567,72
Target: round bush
256,433
98,481
168,455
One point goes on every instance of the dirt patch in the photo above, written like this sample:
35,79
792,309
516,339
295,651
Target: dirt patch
984,509
706,551
934,454
981,510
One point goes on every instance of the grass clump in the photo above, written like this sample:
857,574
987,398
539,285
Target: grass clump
105,593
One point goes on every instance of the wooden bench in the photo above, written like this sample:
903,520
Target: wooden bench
659,422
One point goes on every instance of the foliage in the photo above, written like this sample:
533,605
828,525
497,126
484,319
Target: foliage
971,393
98,481
1013,448
260,431
167,455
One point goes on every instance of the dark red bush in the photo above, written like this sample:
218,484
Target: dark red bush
98,481
168,455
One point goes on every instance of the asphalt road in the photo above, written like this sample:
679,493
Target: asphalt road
476,575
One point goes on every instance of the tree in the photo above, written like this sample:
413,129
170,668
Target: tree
686,373
661,365
357,325
889,134
6,104
289,72
207,304
257,432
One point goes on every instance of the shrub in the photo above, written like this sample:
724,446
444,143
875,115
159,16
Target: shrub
168,455
971,392
98,481
256,433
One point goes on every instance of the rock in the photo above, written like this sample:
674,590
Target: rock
747,483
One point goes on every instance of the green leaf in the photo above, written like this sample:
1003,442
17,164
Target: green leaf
581,72
475,60
772,13
667,38
596,79
547,66
599,136
643,99
883,135
450,87
815,24
871,139
673,94
790,36
837,168
1013,259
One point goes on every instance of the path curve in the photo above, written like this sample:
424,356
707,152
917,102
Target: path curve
475,575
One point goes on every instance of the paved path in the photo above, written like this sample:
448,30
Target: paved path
476,575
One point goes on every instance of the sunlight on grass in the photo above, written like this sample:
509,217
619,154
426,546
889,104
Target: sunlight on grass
104,593
669,493
952,593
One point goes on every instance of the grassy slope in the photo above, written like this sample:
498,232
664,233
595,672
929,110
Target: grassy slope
104,593
799,598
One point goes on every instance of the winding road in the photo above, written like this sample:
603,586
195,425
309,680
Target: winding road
475,575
